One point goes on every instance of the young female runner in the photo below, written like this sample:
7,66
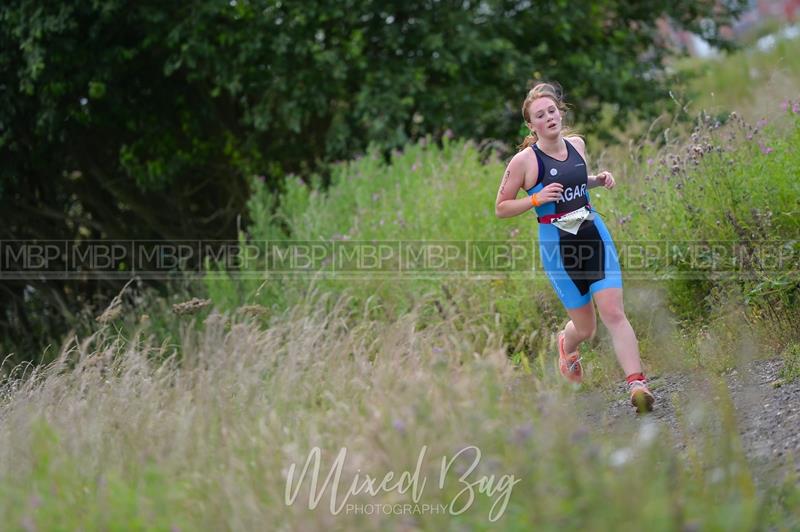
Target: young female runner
577,251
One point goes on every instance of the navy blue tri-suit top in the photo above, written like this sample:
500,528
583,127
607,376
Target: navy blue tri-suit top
582,264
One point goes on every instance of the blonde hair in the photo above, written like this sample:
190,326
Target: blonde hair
542,90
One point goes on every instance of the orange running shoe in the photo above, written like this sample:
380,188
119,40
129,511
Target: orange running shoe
569,365
642,399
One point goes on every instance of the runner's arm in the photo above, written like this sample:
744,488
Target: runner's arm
506,205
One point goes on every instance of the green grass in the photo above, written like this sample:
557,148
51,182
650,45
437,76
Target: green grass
127,442
749,81
790,371
730,192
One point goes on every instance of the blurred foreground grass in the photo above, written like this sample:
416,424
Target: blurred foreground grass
119,435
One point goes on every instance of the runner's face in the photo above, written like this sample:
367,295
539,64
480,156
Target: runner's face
545,117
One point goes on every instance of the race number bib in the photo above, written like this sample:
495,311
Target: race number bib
572,221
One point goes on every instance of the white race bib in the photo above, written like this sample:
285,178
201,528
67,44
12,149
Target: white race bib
572,221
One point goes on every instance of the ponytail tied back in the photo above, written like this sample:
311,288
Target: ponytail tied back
529,141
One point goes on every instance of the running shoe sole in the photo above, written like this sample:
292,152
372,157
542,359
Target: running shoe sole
642,401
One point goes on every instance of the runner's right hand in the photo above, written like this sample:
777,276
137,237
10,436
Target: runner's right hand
551,192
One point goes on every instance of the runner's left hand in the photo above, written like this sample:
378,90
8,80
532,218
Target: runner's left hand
606,179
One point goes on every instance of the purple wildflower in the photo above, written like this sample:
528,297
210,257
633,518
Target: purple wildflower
761,123
522,433
796,108
649,161
35,501
765,149
784,106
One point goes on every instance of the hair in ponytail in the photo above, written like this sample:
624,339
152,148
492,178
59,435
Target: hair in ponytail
529,141
541,90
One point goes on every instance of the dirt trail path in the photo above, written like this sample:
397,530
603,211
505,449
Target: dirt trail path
767,414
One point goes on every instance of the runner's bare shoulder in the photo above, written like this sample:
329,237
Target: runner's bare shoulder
527,160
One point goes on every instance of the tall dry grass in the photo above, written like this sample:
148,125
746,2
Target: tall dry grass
124,433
